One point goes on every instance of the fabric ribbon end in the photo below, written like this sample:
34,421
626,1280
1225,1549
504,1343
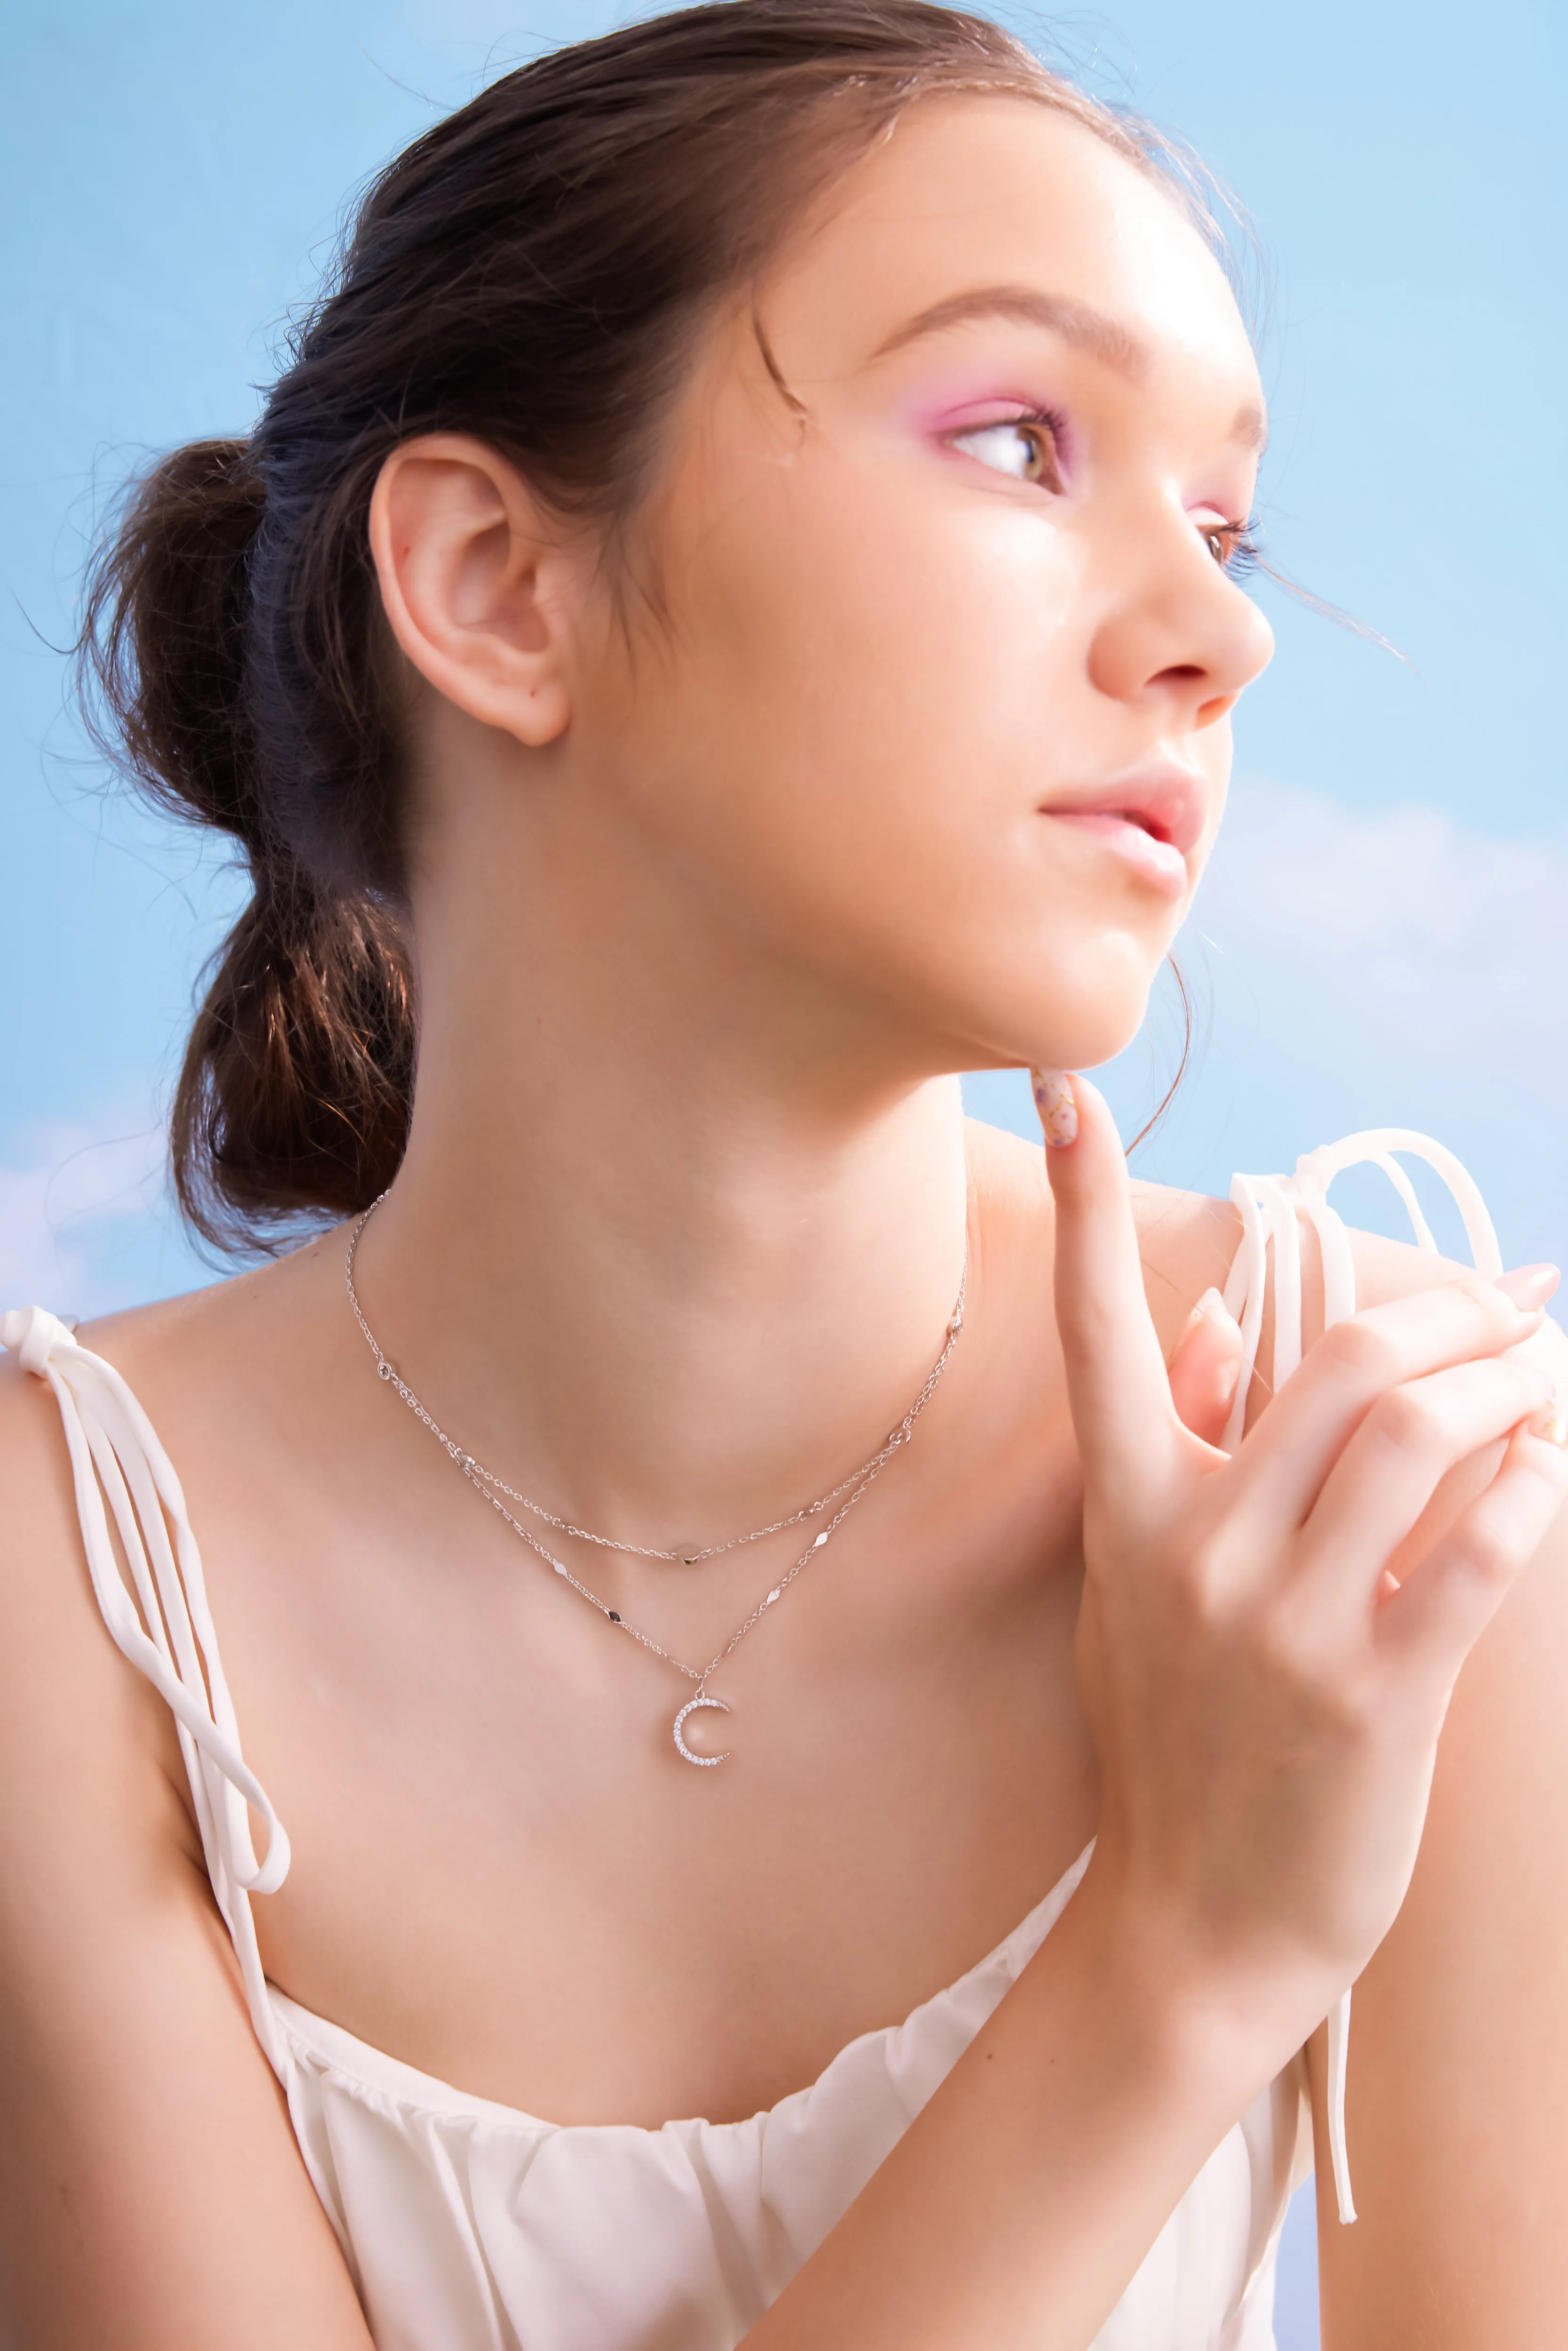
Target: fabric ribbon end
1339,2152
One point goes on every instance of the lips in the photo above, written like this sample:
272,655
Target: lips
1163,798
1148,818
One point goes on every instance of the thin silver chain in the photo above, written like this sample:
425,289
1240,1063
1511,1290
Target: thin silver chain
485,1482
687,1557
607,1543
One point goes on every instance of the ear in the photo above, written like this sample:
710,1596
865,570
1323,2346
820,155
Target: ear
476,583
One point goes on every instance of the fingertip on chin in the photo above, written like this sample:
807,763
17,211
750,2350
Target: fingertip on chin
1058,1107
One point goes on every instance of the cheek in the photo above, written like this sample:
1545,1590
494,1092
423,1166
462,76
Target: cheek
863,702
893,672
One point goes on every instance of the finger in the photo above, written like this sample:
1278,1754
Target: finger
1116,1383
1205,1368
1435,1619
1404,1447
1287,1456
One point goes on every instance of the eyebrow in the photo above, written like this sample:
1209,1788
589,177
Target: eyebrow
1075,323
1087,330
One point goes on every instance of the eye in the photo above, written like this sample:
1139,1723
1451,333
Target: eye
1233,545
1023,447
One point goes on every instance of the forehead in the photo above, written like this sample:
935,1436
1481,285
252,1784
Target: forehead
971,191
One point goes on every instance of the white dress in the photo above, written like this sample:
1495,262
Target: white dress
468,2226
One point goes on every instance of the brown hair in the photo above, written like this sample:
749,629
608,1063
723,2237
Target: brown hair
530,271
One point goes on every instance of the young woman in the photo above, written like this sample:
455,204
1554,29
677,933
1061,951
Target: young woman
727,620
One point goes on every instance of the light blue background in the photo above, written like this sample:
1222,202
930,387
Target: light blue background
1382,938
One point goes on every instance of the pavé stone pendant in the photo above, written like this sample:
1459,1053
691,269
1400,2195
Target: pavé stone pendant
691,1706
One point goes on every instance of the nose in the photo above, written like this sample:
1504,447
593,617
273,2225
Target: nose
1177,627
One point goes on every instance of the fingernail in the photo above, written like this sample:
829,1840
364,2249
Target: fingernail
1529,1285
1213,1308
1550,1423
1058,1110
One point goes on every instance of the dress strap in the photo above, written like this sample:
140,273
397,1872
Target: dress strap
1270,1207
165,1629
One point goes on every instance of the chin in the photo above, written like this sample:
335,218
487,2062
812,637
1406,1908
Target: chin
1075,1024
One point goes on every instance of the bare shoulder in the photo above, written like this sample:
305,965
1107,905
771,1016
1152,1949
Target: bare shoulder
92,1800
152,2192
1187,1239
62,1679
65,1692
52,1636
1189,1242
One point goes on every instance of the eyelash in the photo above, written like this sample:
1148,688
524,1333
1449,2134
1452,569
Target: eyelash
1243,548
1050,428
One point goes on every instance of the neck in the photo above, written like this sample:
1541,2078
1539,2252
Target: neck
670,1269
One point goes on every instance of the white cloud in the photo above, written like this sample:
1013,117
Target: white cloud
64,1190
1445,947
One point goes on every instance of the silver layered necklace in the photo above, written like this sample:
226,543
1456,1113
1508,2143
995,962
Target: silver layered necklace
846,1494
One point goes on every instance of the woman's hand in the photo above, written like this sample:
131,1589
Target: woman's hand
1265,1699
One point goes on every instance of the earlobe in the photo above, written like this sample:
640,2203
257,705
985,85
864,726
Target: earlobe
475,583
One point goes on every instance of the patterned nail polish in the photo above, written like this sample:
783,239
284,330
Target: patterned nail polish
1058,1110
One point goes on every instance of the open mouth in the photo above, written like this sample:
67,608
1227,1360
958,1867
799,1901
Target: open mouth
1142,819
1140,840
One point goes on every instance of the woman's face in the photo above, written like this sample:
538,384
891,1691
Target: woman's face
938,710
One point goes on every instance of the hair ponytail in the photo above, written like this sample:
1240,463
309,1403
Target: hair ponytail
164,639
531,271
294,1094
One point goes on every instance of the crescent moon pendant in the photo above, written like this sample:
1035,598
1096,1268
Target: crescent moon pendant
682,1749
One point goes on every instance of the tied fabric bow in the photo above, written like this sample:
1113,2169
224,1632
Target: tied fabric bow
120,1470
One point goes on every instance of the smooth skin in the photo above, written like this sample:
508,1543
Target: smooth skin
727,853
